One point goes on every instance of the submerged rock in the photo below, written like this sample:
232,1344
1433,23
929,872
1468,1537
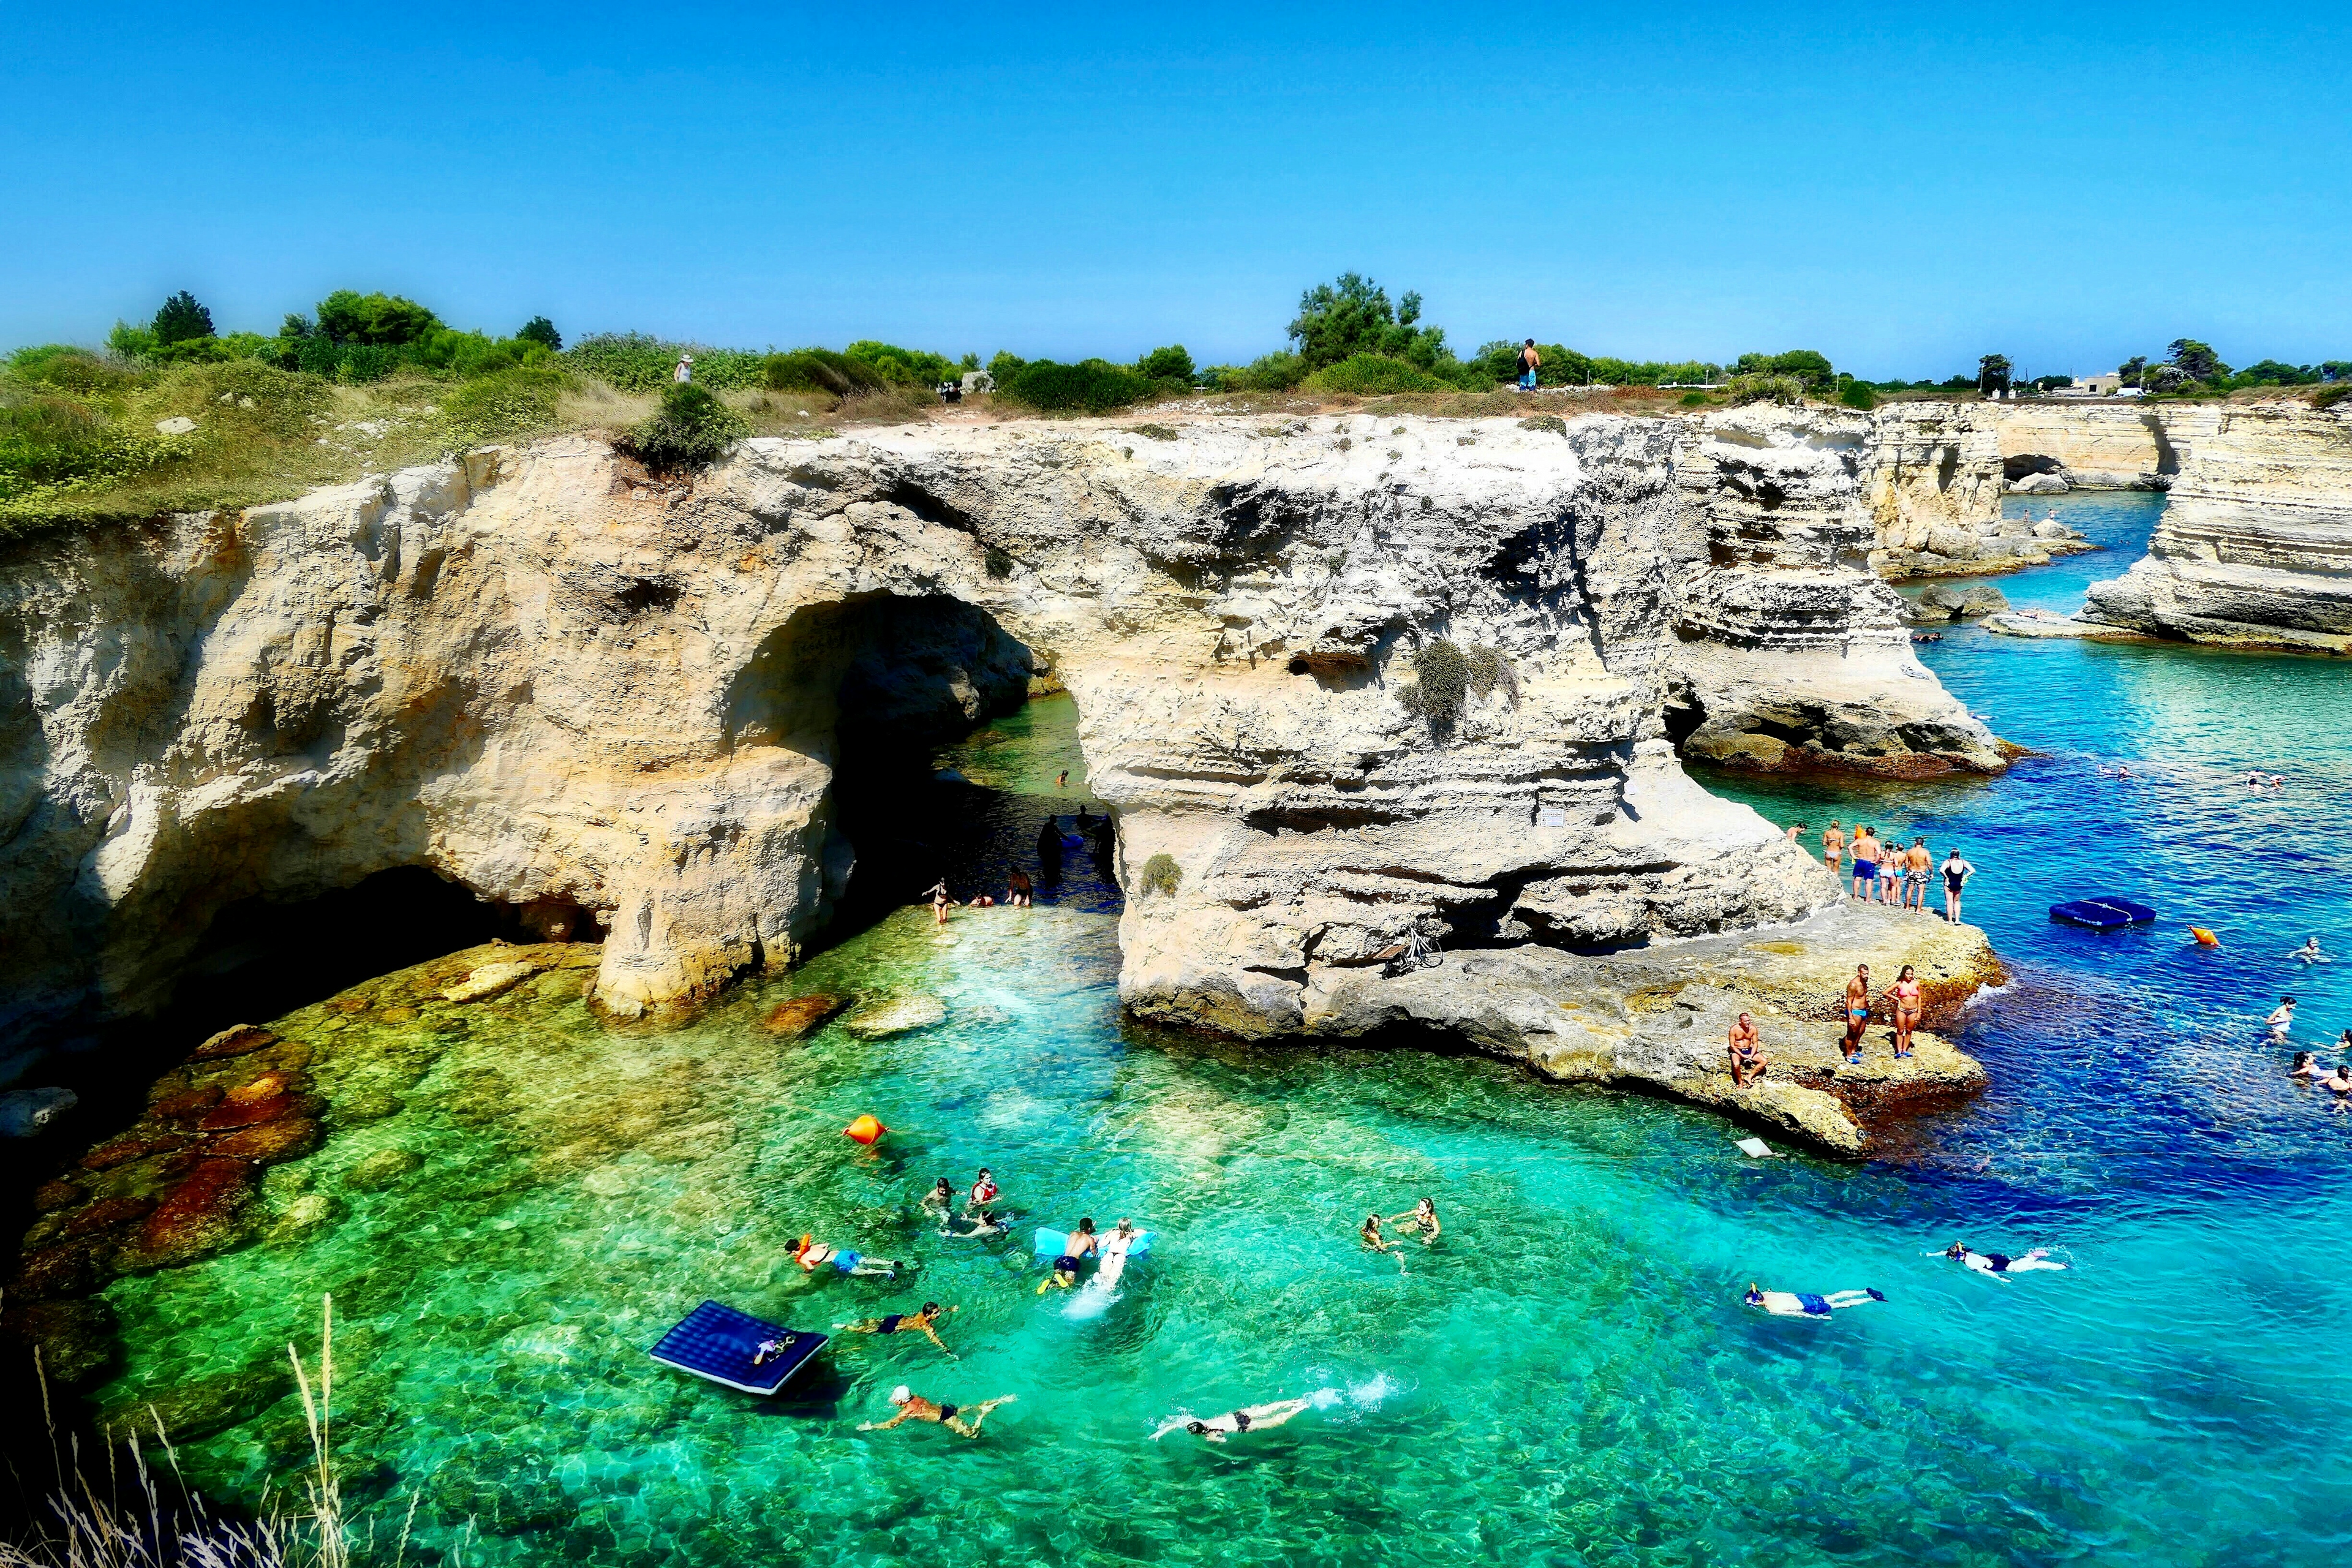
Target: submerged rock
894,1016
384,1168
76,1339
237,1040
490,980
309,1213
790,1020
203,1214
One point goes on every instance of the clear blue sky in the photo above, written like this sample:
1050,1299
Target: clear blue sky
1904,188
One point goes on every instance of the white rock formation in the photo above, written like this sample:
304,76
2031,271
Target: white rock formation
2254,549
574,692
2100,445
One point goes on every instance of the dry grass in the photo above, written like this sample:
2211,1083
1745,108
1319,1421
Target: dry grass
137,1518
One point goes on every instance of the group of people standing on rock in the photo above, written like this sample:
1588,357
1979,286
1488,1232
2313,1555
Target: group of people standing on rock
1885,872
1901,1005
1020,891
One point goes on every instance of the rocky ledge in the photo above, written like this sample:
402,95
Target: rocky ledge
1658,1021
2254,549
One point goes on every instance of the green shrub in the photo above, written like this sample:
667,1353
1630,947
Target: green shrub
1372,376
1552,422
632,362
1090,386
1856,394
540,330
818,370
1161,874
1693,400
380,321
181,319
361,363
1171,364
511,402
1440,684
1763,387
1154,432
2328,396
1489,669
71,369
896,366
691,428
127,342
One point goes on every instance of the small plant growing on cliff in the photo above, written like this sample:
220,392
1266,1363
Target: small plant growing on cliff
1161,874
1489,669
1552,422
691,428
1440,684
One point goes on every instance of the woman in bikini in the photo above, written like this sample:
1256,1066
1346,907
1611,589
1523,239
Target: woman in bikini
1018,891
812,1255
1832,846
1420,1220
941,902
1907,1010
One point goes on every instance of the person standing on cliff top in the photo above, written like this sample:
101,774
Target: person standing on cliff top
1528,361
685,371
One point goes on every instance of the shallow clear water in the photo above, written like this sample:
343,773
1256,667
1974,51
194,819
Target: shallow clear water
1566,1378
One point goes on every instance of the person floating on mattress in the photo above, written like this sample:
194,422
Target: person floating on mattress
1420,1220
769,1350
913,1406
925,1323
2000,1263
812,1255
1783,1304
1250,1418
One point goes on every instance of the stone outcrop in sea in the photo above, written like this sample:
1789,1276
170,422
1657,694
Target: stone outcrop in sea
1934,481
616,705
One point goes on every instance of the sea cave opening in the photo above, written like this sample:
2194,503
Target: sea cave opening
953,751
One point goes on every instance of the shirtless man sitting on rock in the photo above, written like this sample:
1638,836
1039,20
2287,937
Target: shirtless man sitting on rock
1747,1058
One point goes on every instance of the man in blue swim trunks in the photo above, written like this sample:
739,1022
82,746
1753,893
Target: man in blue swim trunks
1857,1013
925,1323
1865,863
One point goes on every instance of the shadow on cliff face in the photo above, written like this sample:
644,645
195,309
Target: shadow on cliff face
875,687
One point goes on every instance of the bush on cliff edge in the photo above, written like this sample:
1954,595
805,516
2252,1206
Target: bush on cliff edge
691,428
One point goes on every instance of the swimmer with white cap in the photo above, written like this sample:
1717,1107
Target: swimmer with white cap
913,1406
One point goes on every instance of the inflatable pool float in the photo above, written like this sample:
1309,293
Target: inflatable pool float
718,1342
2101,914
1054,1244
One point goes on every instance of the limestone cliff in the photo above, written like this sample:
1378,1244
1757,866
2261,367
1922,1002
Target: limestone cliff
1934,480
2254,549
2099,446
598,698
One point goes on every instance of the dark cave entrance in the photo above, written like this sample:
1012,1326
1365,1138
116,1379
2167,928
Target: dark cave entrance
885,689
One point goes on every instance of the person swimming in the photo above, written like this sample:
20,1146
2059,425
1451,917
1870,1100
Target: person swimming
973,1226
812,1255
940,1200
2339,1081
913,1406
1249,1418
1063,1276
1370,1231
2309,953
2002,1263
2280,1020
983,1192
1784,1304
925,1323
1420,1220
2307,1067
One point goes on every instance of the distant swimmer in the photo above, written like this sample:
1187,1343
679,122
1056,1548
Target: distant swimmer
1784,1304
1250,1418
2280,1020
1020,894
2002,1263
1420,1220
1064,781
1748,1062
2340,1080
913,1406
939,1201
976,1226
2307,1067
925,1323
1370,1233
2309,953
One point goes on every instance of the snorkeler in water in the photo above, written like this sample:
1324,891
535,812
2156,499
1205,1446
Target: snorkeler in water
2000,1263
1250,1418
925,1323
1786,1304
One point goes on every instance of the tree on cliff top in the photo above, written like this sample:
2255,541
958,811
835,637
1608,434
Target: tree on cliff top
1353,316
1992,374
1810,366
378,320
181,320
2196,361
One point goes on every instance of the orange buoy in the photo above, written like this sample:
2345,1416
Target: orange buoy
2204,937
865,1129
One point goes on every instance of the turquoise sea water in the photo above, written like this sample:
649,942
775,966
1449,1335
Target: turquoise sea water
1566,1378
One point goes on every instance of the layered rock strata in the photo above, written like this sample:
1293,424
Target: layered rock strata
2097,446
1933,481
2254,549
577,693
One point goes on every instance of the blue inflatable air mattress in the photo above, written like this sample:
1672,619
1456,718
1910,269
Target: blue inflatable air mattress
1053,1244
2101,914
718,1342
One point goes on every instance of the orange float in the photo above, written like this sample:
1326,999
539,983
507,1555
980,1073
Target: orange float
2204,937
865,1130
